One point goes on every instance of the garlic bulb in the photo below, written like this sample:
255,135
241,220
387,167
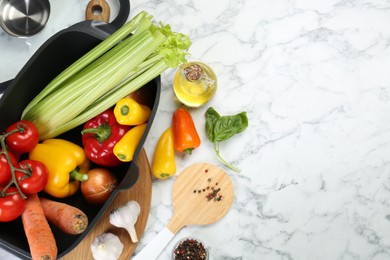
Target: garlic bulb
107,246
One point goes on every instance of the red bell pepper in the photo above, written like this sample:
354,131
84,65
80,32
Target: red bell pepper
99,136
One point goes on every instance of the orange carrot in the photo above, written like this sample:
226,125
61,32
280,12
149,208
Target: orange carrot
69,219
39,235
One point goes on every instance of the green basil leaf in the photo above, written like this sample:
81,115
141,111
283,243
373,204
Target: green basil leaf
227,126
211,117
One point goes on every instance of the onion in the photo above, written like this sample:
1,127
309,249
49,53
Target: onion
99,186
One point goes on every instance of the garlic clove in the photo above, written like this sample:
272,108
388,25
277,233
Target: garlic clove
133,234
125,217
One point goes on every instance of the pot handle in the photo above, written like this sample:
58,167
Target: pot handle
123,14
103,15
4,85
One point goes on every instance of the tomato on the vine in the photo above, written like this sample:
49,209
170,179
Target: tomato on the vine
5,169
11,205
36,177
24,136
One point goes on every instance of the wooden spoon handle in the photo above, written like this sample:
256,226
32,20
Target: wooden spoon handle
97,10
156,246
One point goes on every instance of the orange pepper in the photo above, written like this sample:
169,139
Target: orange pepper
186,137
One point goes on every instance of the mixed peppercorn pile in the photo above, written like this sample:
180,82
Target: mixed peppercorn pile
190,249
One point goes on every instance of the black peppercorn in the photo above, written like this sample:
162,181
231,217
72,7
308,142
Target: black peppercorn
190,249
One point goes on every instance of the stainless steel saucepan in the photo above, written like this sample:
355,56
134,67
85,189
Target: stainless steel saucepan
22,18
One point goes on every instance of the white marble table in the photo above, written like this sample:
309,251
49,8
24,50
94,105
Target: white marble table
314,78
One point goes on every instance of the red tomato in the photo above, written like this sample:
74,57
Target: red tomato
23,136
11,206
5,170
35,179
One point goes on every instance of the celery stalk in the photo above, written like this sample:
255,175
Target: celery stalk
132,86
124,62
95,83
140,69
102,67
116,77
90,56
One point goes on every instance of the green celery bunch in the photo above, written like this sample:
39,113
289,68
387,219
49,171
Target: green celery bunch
125,61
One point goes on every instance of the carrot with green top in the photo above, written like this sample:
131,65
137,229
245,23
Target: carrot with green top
39,235
69,219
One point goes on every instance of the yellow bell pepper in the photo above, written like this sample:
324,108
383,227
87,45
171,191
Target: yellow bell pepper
125,148
164,165
67,165
127,111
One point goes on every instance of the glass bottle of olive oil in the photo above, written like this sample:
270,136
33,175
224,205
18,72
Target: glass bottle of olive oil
194,83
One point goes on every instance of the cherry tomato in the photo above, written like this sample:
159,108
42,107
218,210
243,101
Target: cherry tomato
5,170
23,140
36,177
11,206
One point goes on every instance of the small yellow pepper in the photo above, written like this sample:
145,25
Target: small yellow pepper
67,165
164,165
127,111
125,148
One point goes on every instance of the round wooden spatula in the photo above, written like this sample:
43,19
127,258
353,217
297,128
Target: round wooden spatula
202,194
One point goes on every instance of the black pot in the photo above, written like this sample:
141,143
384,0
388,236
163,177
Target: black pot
56,54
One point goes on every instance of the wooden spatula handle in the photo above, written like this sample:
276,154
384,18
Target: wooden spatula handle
156,246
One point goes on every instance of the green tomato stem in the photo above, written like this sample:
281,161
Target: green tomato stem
13,169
